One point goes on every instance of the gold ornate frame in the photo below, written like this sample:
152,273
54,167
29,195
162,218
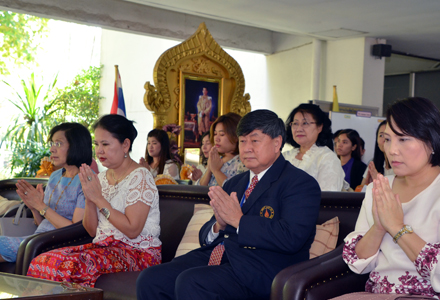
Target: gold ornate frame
199,55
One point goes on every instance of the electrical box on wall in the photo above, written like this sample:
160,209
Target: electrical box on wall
382,50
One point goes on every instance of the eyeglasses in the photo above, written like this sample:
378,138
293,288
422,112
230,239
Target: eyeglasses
304,124
56,144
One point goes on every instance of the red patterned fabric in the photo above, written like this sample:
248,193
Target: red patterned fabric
216,255
84,264
251,186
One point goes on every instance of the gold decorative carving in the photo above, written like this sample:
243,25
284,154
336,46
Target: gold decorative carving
199,55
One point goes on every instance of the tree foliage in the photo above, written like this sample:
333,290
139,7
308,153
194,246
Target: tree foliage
41,108
78,102
27,135
18,33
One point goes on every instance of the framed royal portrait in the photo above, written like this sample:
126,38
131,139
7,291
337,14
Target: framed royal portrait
200,105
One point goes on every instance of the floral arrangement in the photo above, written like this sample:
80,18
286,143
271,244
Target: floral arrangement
46,167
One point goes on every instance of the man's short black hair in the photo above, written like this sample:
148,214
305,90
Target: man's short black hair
265,120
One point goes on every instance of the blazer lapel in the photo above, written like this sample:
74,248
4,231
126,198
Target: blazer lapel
264,184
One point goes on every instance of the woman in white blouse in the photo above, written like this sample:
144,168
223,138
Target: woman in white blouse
397,234
121,213
309,132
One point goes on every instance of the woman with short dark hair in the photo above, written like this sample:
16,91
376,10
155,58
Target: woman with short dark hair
397,235
121,212
309,132
63,202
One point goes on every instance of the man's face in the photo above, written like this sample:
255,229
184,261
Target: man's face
258,151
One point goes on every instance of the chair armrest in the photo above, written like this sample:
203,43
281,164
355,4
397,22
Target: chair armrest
282,277
20,256
72,235
328,279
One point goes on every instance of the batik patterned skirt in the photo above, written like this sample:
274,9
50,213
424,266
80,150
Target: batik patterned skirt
84,264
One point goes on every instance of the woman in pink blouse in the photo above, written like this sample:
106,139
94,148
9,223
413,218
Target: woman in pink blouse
397,234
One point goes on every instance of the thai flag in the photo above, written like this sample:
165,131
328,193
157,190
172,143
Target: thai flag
118,106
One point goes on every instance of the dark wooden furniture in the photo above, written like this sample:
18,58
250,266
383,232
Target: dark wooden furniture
307,280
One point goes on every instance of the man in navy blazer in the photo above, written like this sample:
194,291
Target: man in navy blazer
261,235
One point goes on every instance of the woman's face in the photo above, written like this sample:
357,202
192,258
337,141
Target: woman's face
206,145
344,147
109,150
380,137
304,130
221,140
153,147
205,91
59,149
407,155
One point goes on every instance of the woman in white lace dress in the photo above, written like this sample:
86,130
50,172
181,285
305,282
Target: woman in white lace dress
121,212
158,158
309,132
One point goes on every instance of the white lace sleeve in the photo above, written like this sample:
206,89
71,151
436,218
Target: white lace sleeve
172,170
141,187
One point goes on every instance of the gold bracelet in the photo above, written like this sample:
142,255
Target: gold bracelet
406,229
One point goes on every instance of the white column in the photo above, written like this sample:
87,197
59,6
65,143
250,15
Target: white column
316,69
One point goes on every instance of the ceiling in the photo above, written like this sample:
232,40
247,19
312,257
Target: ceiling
410,26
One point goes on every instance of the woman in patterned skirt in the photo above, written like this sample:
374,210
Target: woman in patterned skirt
121,212
397,234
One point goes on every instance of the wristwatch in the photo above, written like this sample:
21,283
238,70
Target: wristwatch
406,229
105,212
43,211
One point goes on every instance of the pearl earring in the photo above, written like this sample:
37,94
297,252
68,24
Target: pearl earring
125,155
432,152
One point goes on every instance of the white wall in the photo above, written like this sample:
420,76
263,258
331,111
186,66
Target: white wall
358,75
136,56
344,68
289,79
373,76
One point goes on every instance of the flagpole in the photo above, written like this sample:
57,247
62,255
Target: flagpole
116,73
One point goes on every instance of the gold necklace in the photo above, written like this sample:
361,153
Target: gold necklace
123,174
51,194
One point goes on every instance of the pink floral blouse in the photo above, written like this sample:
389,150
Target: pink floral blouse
391,270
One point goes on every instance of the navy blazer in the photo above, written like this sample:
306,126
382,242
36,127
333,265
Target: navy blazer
277,228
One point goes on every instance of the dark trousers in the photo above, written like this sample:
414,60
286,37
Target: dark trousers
189,277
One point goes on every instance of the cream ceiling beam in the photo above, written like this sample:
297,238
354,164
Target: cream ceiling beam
135,18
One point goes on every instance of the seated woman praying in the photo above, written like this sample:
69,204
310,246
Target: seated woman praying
397,236
63,202
223,159
158,159
121,212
